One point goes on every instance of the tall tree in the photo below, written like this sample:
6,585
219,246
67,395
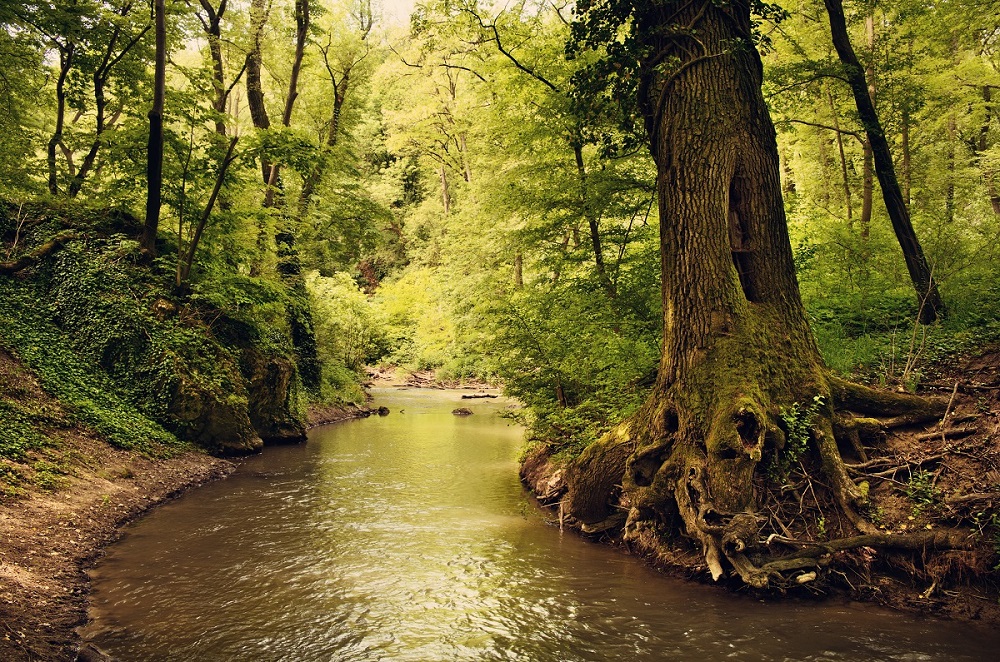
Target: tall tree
260,10
301,33
931,306
339,67
154,148
737,347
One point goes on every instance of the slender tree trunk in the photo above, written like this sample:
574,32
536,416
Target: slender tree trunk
846,181
213,28
100,103
979,145
518,270
592,224
220,178
66,54
259,10
931,306
907,166
463,151
949,186
867,188
154,149
445,194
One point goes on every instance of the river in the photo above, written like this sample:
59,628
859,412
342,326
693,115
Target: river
409,537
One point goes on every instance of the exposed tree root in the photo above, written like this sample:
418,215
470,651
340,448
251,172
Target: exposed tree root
666,483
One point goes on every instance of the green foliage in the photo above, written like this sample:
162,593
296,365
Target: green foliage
921,491
19,433
988,524
91,397
49,476
796,424
578,362
349,334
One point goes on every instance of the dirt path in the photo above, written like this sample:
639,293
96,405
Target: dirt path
49,539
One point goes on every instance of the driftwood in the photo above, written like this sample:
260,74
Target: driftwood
479,395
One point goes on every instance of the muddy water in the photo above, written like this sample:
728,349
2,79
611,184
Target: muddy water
408,537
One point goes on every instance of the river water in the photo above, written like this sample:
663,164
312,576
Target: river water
408,537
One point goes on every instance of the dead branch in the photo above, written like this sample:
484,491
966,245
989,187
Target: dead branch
37,255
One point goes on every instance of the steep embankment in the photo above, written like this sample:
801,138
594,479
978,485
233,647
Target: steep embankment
938,477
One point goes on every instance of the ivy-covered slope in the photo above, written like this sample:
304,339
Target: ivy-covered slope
106,335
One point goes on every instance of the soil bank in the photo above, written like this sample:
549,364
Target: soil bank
49,539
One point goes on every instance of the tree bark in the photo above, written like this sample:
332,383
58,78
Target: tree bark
66,53
931,306
255,91
154,148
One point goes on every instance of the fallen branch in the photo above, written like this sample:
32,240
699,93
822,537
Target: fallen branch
966,498
953,433
37,255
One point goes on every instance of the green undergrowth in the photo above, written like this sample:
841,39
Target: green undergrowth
87,394
106,334
879,341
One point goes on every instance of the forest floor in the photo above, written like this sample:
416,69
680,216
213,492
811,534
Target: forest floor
941,475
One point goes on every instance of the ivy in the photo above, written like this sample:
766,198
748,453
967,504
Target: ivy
796,421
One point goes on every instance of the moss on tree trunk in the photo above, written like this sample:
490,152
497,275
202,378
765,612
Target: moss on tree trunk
740,371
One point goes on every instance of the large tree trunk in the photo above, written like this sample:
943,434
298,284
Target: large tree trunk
931,306
737,348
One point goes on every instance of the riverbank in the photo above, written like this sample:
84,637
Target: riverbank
63,504
50,538
930,482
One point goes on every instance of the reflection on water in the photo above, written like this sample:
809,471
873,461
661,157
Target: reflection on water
408,537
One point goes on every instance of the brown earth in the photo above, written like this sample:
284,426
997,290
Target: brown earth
942,476
50,538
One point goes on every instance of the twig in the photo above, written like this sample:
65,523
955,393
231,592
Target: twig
948,411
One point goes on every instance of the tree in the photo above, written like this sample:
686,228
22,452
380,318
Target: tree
738,357
154,149
931,306
339,67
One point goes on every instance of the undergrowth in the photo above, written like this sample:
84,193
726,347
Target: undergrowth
88,395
